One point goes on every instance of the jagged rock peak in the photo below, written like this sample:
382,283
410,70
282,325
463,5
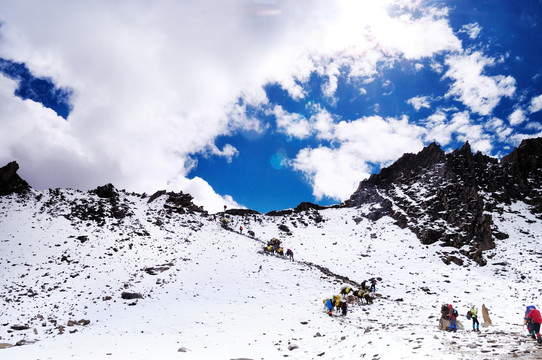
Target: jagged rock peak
403,168
10,182
528,154
466,149
458,190
107,191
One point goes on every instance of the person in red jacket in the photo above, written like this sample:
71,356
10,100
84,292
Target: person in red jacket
452,315
535,319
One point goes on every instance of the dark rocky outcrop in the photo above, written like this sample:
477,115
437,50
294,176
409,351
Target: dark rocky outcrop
302,207
10,182
156,195
241,212
280,212
180,202
107,191
306,206
447,198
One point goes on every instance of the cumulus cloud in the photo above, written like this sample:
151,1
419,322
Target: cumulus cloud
155,83
336,171
459,126
433,33
516,117
498,127
419,102
293,125
536,104
481,93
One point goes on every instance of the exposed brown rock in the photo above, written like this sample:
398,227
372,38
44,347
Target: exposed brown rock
487,319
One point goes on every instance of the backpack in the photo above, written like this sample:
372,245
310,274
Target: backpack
455,313
469,315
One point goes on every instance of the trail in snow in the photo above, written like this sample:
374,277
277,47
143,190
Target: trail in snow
219,298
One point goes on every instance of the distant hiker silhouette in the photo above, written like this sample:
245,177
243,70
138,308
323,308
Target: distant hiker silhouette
373,284
290,253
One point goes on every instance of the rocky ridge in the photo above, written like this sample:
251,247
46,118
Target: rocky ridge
447,198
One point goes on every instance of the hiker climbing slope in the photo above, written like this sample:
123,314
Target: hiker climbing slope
535,319
290,254
529,325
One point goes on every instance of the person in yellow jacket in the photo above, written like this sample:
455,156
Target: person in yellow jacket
474,317
334,302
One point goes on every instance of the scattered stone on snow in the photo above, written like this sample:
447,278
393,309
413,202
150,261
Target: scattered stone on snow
129,295
20,327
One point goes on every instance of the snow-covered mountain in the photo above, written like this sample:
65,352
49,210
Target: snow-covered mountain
109,274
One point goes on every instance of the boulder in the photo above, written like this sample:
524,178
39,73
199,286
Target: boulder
10,182
107,191
487,319
129,295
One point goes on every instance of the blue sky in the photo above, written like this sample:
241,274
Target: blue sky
260,103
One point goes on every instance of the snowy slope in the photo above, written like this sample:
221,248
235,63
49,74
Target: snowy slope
218,297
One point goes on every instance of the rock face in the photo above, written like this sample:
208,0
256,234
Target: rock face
446,197
10,182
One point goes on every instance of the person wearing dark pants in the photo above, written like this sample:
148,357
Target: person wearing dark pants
474,317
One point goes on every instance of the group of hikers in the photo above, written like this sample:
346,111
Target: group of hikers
532,319
275,245
472,314
340,302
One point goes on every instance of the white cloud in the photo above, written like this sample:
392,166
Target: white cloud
536,126
204,194
332,172
516,117
228,151
481,93
335,172
157,82
432,34
323,124
498,127
436,67
419,102
460,127
473,30
293,125
536,104
439,130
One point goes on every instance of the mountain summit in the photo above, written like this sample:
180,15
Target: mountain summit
448,198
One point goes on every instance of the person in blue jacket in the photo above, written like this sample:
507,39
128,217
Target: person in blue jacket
331,303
